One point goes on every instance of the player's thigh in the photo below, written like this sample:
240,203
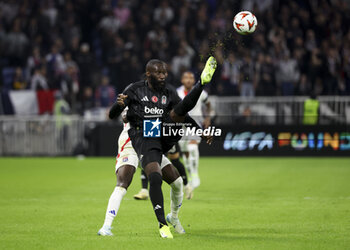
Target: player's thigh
127,162
170,173
173,153
127,156
124,175
174,156
151,160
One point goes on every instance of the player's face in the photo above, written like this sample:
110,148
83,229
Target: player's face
157,74
187,80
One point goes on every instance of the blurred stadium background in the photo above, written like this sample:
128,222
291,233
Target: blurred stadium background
63,62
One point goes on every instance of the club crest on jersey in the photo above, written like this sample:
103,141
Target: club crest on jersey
163,99
154,99
125,159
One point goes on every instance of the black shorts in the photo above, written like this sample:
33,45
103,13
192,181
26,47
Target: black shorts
150,149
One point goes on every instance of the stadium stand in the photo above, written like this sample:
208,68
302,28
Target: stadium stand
73,43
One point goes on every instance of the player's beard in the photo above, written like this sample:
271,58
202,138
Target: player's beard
157,85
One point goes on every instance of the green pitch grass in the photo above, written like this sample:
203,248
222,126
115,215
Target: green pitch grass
242,203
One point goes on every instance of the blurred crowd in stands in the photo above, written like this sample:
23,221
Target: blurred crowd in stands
90,50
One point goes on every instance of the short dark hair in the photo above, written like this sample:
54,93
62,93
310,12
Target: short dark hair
151,63
187,71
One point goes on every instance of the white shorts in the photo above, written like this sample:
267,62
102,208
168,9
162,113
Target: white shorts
127,155
183,143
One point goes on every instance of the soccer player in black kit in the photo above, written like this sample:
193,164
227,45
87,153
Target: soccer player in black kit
152,99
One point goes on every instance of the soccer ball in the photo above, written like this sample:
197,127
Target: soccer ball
245,23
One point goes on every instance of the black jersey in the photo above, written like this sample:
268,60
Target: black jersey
145,103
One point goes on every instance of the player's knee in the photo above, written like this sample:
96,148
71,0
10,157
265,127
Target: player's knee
155,179
151,156
124,182
174,156
124,185
177,184
124,175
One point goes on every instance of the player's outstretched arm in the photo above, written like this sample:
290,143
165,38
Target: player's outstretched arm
118,106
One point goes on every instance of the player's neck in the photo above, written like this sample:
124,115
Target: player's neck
149,84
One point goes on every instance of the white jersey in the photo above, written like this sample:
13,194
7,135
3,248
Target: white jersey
126,153
197,111
124,140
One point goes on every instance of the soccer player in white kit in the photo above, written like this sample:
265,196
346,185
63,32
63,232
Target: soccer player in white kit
189,145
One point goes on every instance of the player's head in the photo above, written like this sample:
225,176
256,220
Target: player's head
187,79
156,73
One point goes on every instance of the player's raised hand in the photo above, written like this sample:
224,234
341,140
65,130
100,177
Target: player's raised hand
120,99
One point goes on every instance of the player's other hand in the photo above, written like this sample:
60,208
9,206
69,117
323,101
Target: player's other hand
120,99
209,139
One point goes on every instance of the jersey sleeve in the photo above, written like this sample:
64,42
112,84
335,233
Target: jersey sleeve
205,97
127,91
116,109
190,122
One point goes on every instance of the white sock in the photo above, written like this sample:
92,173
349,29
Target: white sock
193,158
176,196
113,205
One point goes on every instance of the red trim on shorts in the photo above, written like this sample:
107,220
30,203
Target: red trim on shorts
127,140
